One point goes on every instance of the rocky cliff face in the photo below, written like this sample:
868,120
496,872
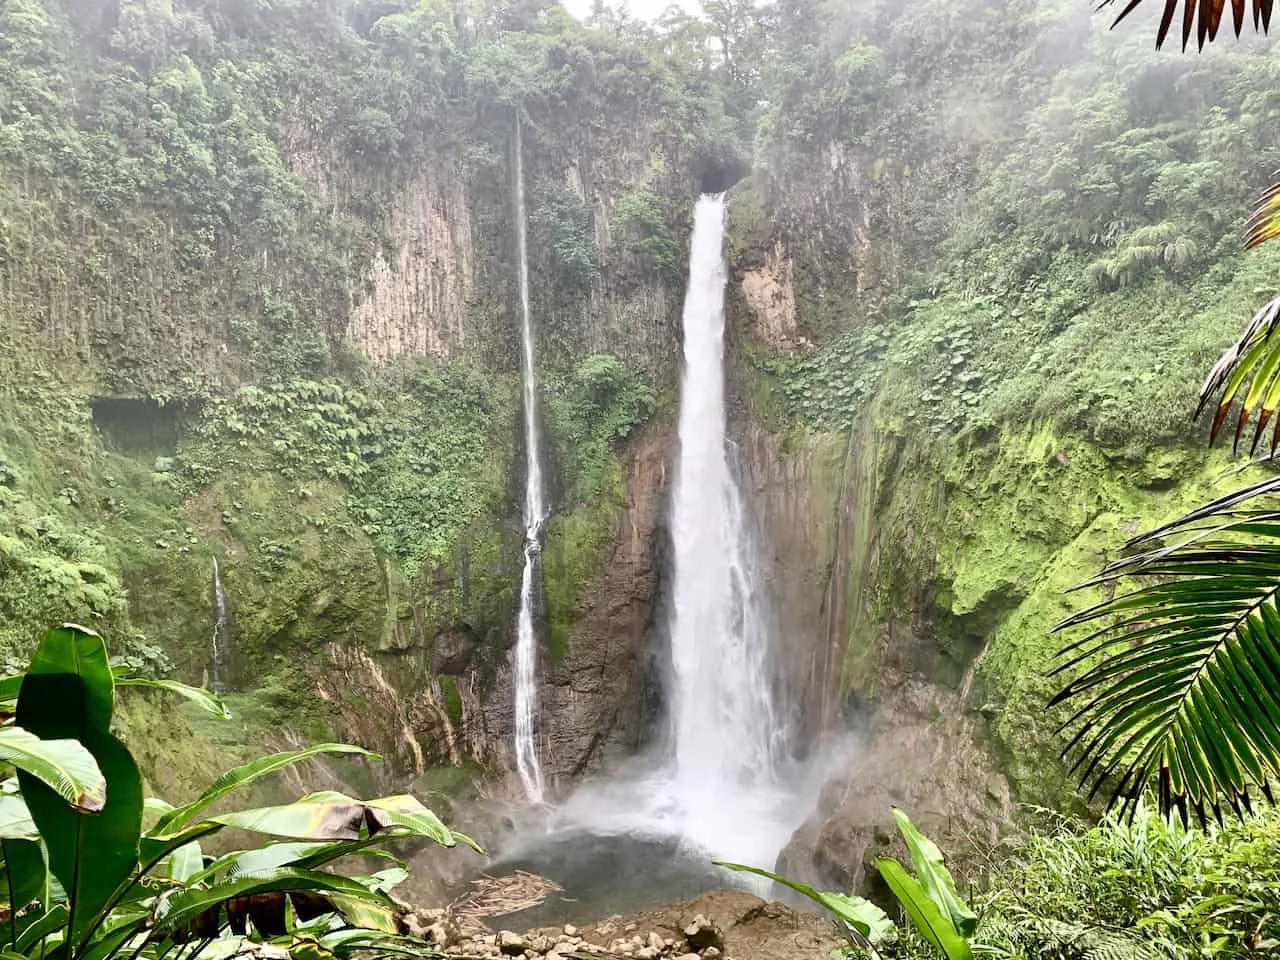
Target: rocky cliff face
599,697
418,291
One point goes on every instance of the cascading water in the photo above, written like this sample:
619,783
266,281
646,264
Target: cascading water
725,787
723,718
718,792
526,680
219,639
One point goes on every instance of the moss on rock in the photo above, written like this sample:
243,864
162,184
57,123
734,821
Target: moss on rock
978,545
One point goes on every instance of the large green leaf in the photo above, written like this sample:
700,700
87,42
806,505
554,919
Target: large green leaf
241,776
929,921
64,765
359,912
15,819
934,877
48,924
248,862
75,651
1178,679
862,915
347,941
67,694
197,695
9,687
155,850
408,813
335,816
317,816
186,862
180,909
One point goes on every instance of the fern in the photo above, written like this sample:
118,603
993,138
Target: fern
1052,939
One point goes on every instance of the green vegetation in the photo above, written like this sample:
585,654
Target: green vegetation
1140,889
928,899
95,870
591,412
561,223
1146,889
641,230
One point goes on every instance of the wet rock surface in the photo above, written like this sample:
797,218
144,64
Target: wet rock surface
723,925
921,752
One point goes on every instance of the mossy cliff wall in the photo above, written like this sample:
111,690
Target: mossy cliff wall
901,547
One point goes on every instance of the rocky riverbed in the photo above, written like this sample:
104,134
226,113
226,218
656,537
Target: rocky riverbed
723,925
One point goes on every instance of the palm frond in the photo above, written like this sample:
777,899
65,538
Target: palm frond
1186,694
1204,17
1248,372
1264,222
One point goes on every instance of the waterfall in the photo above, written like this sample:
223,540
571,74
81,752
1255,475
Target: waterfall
726,788
722,711
725,784
219,639
526,681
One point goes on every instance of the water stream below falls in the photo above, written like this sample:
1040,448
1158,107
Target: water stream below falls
722,786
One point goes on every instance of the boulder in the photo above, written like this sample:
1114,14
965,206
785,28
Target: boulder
701,933
512,944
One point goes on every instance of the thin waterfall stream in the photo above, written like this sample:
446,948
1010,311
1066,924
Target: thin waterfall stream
219,638
535,514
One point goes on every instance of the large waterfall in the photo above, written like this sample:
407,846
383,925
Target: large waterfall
717,790
722,785
722,712
526,656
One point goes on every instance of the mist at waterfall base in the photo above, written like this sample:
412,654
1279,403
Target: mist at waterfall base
723,785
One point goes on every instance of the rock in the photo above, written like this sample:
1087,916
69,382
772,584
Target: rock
512,944
437,927
628,928
570,930
647,953
655,942
702,933
688,956
541,944
710,953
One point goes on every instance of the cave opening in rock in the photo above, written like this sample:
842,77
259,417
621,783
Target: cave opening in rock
716,175
140,426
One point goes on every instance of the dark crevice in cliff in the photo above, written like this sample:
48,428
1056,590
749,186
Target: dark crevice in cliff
717,176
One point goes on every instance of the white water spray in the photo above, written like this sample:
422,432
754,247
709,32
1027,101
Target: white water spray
526,681
218,640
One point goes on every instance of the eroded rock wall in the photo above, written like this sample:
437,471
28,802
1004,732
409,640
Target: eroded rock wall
598,697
